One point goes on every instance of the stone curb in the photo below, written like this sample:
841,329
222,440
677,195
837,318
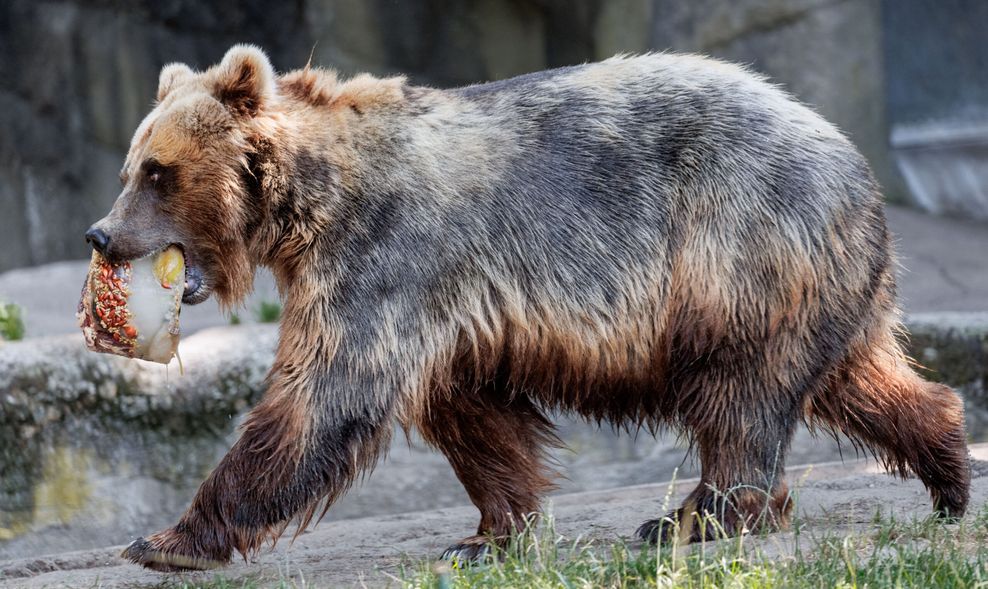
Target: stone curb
953,348
44,379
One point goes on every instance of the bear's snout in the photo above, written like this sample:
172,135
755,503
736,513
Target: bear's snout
99,239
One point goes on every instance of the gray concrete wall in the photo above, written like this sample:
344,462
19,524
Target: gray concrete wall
76,76
937,81
937,60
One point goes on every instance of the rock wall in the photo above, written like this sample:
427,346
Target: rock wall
76,76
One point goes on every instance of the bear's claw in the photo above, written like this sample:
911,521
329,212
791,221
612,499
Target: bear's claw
142,552
673,526
656,531
467,552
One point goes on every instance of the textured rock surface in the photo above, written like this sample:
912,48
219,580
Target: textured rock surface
77,75
942,262
44,379
953,347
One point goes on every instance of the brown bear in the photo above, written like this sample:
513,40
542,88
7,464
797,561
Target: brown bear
663,240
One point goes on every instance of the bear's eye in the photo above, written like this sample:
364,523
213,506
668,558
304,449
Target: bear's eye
153,172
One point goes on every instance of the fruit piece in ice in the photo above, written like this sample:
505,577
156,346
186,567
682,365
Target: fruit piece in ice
132,308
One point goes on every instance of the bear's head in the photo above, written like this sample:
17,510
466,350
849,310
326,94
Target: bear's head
187,176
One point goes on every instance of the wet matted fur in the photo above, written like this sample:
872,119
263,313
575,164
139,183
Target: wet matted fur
663,240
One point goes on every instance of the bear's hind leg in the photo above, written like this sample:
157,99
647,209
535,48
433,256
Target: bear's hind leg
742,446
496,444
734,496
876,399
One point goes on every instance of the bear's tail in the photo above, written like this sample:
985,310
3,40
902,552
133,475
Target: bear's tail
877,399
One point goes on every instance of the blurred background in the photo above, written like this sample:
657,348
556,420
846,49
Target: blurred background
95,450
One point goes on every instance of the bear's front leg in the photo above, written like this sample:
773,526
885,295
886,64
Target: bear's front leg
325,417
496,442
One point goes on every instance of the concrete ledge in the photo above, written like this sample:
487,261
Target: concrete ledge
944,166
44,379
953,347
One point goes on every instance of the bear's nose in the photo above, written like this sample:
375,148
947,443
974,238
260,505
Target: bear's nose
98,239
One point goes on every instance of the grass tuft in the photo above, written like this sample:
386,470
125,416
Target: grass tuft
11,322
890,553
268,312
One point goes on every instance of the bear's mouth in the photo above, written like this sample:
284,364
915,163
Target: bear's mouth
196,290
197,287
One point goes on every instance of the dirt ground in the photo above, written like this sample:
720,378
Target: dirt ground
370,551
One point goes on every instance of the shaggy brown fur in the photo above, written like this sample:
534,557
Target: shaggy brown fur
650,241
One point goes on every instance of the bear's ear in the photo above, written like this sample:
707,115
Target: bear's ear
171,76
245,80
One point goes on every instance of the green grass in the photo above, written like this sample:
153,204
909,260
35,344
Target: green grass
886,553
11,322
882,553
268,312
